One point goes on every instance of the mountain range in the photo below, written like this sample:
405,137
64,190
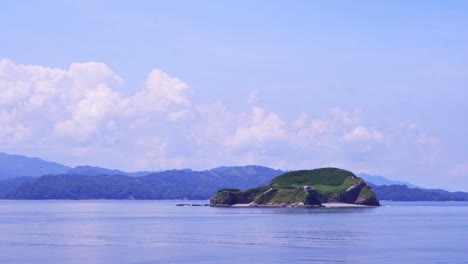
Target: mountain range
12,166
33,178
171,184
380,180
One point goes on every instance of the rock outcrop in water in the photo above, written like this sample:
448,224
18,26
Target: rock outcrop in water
306,188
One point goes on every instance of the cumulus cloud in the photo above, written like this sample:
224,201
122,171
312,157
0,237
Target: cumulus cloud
329,129
44,101
258,128
82,111
160,92
79,115
89,113
361,133
82,105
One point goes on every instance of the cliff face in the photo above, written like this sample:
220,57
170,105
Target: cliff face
303,189
263,197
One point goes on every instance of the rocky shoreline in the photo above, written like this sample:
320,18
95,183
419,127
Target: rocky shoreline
323,205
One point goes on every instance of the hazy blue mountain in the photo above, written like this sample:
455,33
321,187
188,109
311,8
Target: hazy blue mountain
99,183
93,171
403,193
200,184
172,184
12,166
33,178
262,174
380,180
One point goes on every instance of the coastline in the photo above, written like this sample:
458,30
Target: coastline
324,205
345,205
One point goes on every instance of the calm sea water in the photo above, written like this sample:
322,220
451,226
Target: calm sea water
160,232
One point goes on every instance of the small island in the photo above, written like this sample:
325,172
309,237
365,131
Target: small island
304,188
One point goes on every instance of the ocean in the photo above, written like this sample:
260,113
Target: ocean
107,231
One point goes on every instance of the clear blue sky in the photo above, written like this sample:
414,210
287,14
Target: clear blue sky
371,86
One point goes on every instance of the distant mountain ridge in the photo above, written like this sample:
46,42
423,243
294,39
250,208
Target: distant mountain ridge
33,178
171,184
379,180
94,171
404,193
12,166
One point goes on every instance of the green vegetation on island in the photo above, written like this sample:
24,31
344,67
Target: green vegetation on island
305,188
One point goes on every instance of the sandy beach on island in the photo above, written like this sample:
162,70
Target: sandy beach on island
326,205
338,205
241,205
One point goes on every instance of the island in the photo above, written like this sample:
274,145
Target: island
304,188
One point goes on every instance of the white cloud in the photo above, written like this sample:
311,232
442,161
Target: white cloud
160,92
258,128
316,128
79,103
344,117
361,133
80,116
326,129
89,114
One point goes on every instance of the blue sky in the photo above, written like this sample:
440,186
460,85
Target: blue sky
371,86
